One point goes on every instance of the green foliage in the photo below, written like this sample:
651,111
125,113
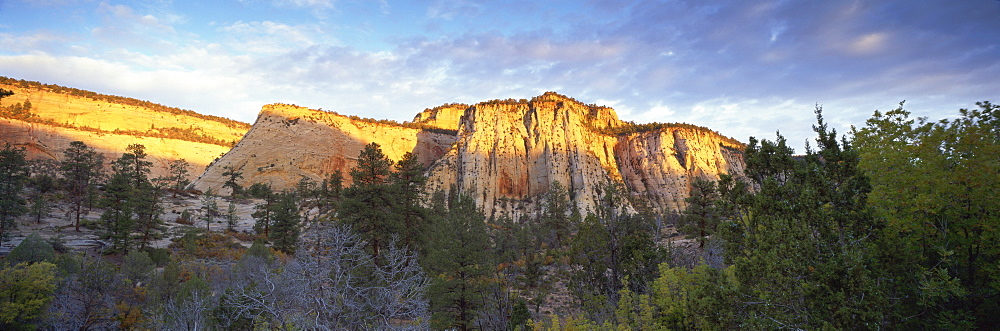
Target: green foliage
285,220
369,202
5,93
701,217
25,290
232,176
701,298
935,184
612,249
81,168
407,184
209,208
458,260
802,250
555,221
130,201
13,174
33,249
136,266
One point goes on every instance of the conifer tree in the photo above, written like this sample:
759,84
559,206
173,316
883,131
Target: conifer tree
700,217
459,261
285,220
81,168
209,207
407,181
802,252
262,212
13,174
232,176
369,202
556,223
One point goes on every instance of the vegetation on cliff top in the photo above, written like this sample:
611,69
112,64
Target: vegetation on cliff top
26,84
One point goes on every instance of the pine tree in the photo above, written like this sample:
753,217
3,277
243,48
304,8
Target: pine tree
700,217
232,176
612,249
262,212
459,261
369,202
407,181
13,174
555,222
209,207
81,168
285,220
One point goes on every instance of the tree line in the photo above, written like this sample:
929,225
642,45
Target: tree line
891,226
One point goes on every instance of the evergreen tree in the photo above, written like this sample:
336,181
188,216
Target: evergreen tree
118,216
700,217
369,202
13,174
459,261
81,168
285,220
209,207
262,212
5,93
332,189
232,176
555,221
802,253
612,249
407,181
935,184
177,175
231,216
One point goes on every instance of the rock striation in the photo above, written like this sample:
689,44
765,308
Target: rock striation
503,153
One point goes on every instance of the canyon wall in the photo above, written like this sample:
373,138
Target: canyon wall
503,153
288,143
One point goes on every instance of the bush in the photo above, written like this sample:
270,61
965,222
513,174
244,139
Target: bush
32,249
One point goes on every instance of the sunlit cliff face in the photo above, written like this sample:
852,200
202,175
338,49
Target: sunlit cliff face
504,154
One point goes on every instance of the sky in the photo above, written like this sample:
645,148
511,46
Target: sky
743,68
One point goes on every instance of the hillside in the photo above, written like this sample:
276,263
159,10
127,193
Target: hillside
45,118
503,153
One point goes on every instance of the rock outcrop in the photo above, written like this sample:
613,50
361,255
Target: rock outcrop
48,142
505,154
288,143
509,152
59,115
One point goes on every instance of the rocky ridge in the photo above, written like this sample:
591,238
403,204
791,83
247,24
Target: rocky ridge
85,116
504,153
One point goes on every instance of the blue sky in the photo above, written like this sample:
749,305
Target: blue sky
744,68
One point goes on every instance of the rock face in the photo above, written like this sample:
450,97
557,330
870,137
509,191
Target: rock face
288,142
509,152
505,154
47,142
62,115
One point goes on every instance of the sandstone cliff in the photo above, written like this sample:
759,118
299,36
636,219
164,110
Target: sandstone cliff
504,154
509,152
59,115
48,142
288,142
